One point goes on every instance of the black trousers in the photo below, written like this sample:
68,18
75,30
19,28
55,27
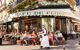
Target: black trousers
65,36
0,41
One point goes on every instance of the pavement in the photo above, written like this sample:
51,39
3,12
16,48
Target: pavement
72,44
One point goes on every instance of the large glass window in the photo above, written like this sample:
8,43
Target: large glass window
48,23
57,24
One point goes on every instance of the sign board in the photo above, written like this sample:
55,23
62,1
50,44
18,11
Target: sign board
49,12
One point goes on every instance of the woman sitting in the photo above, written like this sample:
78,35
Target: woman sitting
51,40
60,37
24,38
34,38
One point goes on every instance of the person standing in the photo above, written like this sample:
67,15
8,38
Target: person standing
34,37
73,34
44,39
0,37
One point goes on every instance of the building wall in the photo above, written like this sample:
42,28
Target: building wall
78,2
63,25
77,28
57,24
72,3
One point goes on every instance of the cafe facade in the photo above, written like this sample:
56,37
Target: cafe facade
57,16
52,19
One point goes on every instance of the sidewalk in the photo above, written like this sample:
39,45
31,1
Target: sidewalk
71,45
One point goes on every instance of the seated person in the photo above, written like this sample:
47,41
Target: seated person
24,38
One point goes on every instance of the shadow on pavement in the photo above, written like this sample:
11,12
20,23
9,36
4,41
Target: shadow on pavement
61,48
51,48
6,45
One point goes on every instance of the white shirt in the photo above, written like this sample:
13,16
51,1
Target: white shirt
73,32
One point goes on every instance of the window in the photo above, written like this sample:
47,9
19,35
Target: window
77,2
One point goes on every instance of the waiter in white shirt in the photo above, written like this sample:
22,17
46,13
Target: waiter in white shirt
44,39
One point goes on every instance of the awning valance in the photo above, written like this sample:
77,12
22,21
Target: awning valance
47,12
76,21
41,12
